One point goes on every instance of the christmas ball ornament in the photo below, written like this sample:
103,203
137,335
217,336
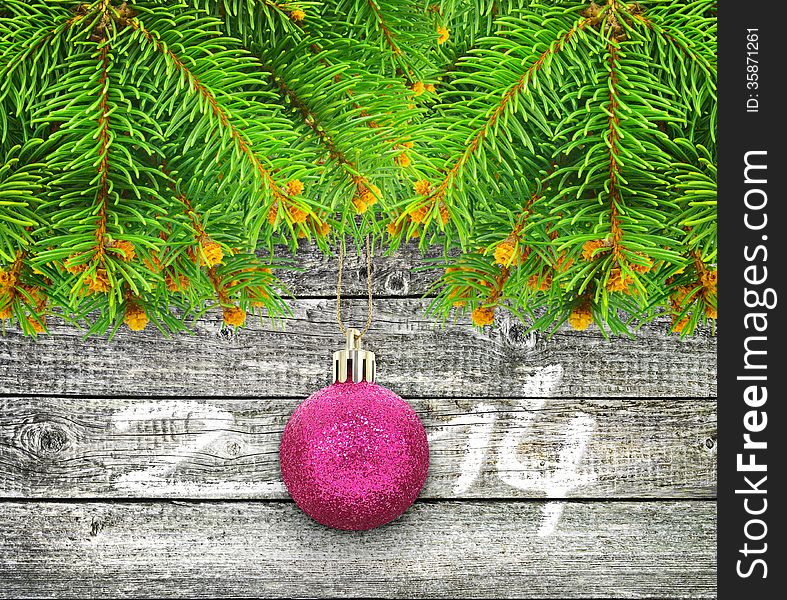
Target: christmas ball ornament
354,455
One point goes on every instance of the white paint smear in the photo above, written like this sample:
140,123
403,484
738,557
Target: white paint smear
478,425
542,383
554,481
160,478
564,477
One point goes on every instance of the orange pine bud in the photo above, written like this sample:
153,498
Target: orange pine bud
680,325
34,295
154,264
127,252
442,34
179,283
423,187
6,311
504,253
294,187
581,317
370,195
419,213
562,264
37,324
403,160
234,315
73,268
257,296
360,205
483,316
211,251
619,281
98,283
709,280
136,318
540,282
445,216
589,249
298,215
7,280
273,212
323,228
459,296
641,268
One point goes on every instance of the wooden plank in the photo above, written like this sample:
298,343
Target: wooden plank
398,274
436,550
87,447
416,357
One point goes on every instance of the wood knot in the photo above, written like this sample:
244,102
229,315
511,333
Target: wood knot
232,448
96,525
397,282
227,332
45,439
515,332
361,275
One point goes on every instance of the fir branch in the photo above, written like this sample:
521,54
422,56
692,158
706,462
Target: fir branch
487,128
312,121
215,107
386,31
613,137
104,143
574,142
258,19
679,42
25,37
20,195
400,30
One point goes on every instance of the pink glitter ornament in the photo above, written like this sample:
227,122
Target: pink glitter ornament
354,455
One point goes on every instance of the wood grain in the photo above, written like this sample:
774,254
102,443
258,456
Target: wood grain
436,550
95,435
416,357
225,448
402,273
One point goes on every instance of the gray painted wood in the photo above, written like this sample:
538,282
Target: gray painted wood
405,272
513,419
228,448
416,358
436,550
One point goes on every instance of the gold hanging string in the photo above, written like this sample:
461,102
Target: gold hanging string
368,288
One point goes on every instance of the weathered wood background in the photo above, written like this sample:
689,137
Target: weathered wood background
560,468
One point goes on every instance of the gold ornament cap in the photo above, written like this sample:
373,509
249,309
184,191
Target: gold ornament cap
353,364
